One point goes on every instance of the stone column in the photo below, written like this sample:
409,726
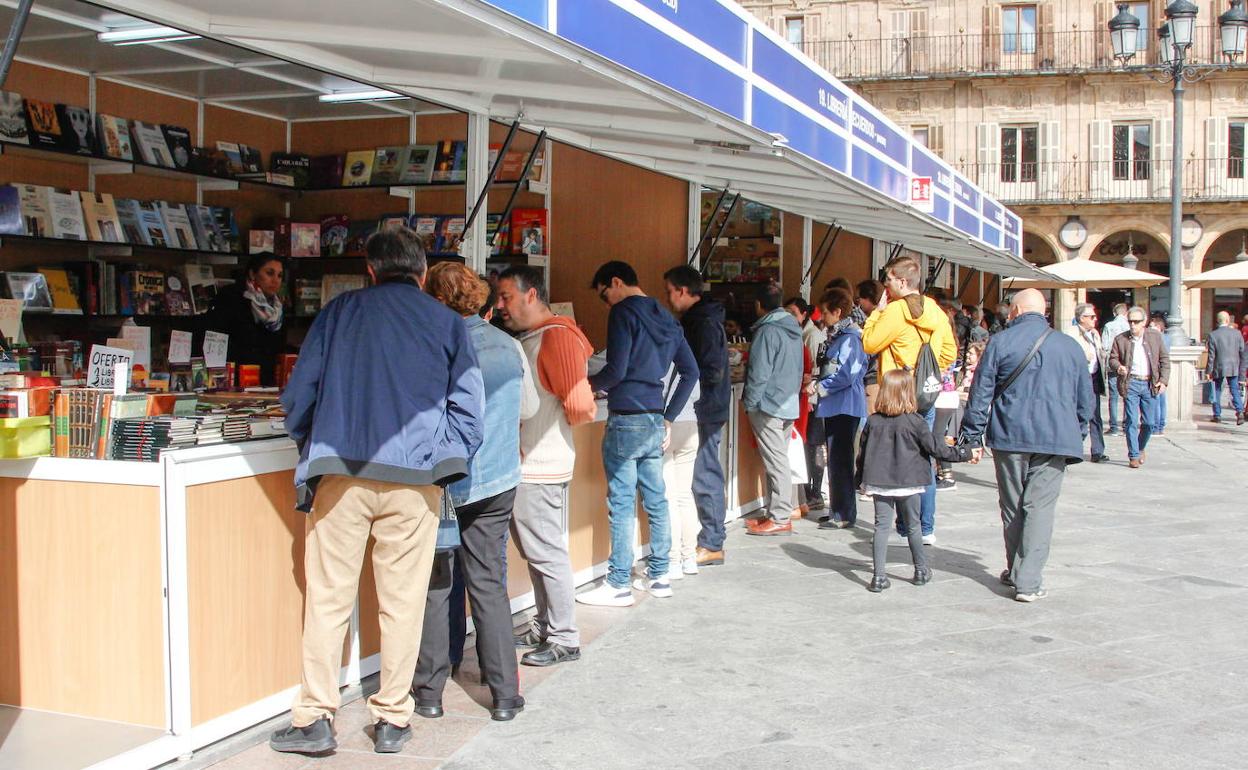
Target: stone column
1181,393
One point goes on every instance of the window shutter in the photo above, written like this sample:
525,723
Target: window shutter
1103,47
1100,138
1163,148
1216,152
1049,174
936,140
992,37
919,45
989,154
1045,46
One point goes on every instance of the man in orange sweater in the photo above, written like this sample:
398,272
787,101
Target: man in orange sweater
558,354
895,332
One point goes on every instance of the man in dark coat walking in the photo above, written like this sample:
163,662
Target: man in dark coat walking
1033,411
1226,360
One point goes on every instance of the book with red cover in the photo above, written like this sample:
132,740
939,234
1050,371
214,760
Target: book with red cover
528,231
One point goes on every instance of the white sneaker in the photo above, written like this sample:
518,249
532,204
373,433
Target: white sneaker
659,589
689,566
929,539
674,573
897,540
607,595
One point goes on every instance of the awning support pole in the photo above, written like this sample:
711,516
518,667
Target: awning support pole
15,36
710,222
720,233
824,251
965,284
931,279
989,289
524,177
489,179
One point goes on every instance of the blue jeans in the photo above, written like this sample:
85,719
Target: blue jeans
1113,403
927,503
1237,401
632,455
1161,412
708,486
1139,416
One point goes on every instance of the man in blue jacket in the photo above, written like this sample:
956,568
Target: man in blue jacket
643,341
773,384
702,319
1035,422
385,406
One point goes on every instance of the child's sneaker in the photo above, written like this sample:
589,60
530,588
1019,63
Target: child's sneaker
689,566
878,584
922,577
659,588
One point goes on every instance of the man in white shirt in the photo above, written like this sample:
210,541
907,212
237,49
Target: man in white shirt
1084,332
1118,325
1143,368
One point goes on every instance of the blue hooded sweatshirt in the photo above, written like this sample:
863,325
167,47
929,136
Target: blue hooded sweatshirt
643,340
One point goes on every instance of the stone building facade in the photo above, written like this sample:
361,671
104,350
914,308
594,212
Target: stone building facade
1026,99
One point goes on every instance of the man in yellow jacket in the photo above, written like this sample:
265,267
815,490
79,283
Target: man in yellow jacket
895,332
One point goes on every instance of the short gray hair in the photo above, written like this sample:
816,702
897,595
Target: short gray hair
1082,308
1137,309
1224,318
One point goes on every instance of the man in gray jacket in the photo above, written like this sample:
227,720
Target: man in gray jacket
1226,360
773,382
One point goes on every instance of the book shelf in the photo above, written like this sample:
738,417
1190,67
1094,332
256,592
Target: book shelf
107,250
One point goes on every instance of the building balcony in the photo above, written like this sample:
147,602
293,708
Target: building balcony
926,57
1204,179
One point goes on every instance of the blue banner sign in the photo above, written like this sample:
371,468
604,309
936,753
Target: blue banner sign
941,208
871,130
782,69
612,32
966,221
923,163
533,11
879,175
803,134
707,20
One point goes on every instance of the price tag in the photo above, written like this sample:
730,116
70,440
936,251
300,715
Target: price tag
141,339
11,318
216,345
104,363
179,347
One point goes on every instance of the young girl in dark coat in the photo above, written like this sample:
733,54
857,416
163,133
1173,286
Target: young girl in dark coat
895,464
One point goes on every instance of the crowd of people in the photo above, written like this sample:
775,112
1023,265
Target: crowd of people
426,427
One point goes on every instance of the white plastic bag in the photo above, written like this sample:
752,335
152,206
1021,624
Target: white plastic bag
797,458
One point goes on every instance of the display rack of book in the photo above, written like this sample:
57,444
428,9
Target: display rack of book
742,249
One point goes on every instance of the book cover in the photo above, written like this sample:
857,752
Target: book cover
252,164
152,227
268,177
426,228
388,165
417,166
281,237
11,222
209,162
44,125
128,216
66,211
179,141
452,162
177,298
201,284
13,119
496,233
389,222
78,129
513,163
178,225
100,214
307,297
294,164
334,232
227,226
233,157
205,226
63,297
31,289
145,293
332,285
305,239
261,242
358,233
452,235
114,134
36,210
326,171
528,231
153,149
358,168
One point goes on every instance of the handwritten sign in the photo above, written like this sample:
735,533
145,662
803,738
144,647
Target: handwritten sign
216,345
140,338
11,318
104,363
179,347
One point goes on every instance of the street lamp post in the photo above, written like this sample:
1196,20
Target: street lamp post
1176,37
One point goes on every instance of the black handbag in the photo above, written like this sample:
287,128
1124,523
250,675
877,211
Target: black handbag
448,526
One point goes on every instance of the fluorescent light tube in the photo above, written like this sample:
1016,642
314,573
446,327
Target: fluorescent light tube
374,95
149,34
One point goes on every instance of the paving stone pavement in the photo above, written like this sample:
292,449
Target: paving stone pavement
781,658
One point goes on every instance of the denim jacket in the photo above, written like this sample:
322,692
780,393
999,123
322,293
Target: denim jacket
510,396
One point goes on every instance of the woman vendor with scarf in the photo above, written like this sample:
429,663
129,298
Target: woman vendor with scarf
250,311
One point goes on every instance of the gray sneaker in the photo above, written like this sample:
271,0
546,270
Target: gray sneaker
1036,595
316,738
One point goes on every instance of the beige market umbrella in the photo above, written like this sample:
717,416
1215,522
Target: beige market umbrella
1233,276
1087,274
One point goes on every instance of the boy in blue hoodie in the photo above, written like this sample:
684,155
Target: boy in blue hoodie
643,341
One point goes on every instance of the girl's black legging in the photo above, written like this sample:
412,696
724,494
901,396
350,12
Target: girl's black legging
887,509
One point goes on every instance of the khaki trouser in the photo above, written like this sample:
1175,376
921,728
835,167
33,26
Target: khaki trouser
403,521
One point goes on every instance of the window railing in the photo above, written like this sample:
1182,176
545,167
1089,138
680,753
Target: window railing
1109,181
999,54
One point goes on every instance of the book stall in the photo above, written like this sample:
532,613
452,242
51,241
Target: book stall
150,552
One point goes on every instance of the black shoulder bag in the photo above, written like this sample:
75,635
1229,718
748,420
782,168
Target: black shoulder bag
1022,365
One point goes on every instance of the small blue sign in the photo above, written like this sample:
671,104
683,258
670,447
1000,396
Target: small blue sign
993,213
803,134
1013,224
992,236
941,208
966,221
610,31
965,194
785,71
1013,246
708,21
924,163
880,176
533,11
871,130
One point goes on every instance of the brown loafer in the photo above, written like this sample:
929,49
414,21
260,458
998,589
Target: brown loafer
1134,463
707,558
772,528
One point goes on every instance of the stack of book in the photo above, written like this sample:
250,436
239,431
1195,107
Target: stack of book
142,439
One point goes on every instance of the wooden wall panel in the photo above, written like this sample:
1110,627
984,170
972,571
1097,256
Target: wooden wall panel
47,85
250,203
589,534
791,255
751,477
341,136
151,107
245,575
603,209
81,628
851,260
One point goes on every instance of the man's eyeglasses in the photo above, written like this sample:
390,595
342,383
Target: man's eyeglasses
602,293
1088,315
1135,320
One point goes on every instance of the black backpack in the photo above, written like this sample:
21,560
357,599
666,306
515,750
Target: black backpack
927,379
